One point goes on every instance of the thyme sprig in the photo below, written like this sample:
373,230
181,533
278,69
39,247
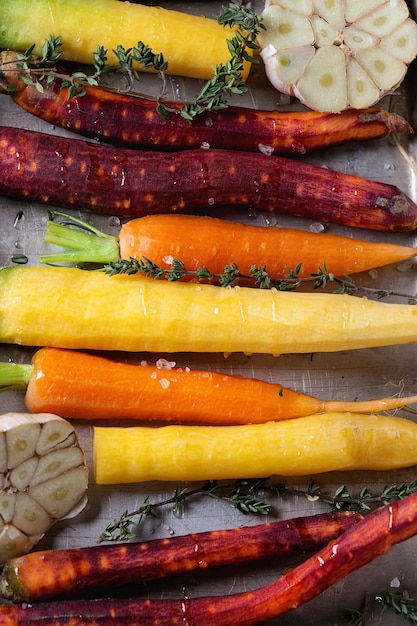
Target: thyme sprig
397,600
252,496
258,275
226,81
41,70
342,499
240,495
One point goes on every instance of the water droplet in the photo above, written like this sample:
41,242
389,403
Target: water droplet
19,259
114,221
170,530
405,265
317,227
271,220
19,220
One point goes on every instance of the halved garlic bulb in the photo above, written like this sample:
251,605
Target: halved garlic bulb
43,478
336,54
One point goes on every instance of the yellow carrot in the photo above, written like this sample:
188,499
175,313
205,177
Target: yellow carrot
192,45
72,308
297,447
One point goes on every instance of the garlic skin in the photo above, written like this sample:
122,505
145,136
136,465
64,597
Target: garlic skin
43,478
337,54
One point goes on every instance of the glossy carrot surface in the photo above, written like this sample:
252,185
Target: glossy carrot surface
74,572
192,45
314,444
79,385
76,173
130,121
373,536
66,307
212,243
200,241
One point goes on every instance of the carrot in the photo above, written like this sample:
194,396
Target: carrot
76,173
299,447
126,120
78,385
66,307
213,243
74,572
373,536
192,45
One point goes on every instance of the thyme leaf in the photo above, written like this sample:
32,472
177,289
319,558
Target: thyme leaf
258,276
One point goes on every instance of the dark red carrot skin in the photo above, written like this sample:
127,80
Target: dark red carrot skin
371,537
45,575
134,122
75,173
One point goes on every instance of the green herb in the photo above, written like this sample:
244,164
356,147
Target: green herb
231,276
248,497
342,499
41,70
240,496
226,81
396,600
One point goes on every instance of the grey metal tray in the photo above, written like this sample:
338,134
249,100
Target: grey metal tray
349,375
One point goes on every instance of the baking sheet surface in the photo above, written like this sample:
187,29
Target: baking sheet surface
356,375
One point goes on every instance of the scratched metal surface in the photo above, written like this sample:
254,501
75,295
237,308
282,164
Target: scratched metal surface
356,375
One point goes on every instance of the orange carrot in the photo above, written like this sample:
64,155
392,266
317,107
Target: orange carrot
214,243
86,386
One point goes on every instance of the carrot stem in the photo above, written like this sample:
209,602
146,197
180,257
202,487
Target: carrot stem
81,246
15,376
79,385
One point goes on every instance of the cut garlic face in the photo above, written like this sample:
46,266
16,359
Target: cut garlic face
336,54
43,478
